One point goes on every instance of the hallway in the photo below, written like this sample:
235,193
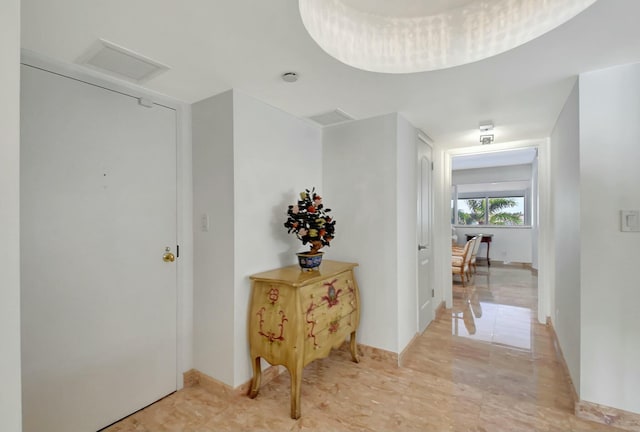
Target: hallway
484,365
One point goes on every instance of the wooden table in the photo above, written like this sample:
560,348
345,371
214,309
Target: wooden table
299,316
486,238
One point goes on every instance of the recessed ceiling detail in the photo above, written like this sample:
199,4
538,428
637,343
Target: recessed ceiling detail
418,35
112,59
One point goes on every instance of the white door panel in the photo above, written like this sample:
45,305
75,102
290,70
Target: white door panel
98,192
425,243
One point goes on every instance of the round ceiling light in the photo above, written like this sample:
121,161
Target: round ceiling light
404,36
289,77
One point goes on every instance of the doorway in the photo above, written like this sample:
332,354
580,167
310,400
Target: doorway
98,215
537,217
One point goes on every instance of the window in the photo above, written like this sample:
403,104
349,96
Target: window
504,209
508,210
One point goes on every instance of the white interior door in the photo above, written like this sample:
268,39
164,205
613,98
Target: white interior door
425,242
98,209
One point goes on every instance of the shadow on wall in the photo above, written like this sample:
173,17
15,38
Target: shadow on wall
279,232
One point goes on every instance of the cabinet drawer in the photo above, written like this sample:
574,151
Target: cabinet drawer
326,304
318,343
323,314
328,292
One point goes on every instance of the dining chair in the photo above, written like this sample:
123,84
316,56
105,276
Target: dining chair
474,253
460,263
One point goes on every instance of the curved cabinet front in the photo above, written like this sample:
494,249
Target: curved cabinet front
298,316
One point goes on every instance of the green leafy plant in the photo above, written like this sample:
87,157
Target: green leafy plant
310,222
497,212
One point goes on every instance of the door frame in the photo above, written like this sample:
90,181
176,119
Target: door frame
545,241
184,195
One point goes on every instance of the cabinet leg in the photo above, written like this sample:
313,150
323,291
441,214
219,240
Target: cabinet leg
296,381
354,348
257,376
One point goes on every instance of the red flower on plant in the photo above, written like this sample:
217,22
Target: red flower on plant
311,209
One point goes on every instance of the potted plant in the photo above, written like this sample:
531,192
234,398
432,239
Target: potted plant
309,220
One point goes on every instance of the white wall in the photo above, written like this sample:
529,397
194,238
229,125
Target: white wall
535,217
10,395
565,186
276,156
369,168
442,226
407,231
511,245
546,246
610,179
213,195
359,174
250,162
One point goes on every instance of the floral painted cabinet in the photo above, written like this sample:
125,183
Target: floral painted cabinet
296,317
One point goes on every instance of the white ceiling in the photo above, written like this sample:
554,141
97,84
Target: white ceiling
214,45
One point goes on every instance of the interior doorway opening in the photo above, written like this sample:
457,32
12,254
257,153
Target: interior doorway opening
500,191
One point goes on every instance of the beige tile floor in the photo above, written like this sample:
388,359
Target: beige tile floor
484,365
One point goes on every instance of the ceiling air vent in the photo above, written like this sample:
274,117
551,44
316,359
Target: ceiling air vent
331,118
112,59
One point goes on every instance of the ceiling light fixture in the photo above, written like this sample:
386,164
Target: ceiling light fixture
289,77
486,126
486,139
406,36
486,132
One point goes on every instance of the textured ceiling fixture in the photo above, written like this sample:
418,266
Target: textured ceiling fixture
403,36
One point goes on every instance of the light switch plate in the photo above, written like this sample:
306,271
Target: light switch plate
204,222
630,220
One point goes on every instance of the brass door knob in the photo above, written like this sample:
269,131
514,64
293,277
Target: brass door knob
168,256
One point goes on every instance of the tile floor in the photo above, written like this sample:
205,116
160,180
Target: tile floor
484,365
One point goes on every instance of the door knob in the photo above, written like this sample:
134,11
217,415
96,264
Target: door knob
421,247
168,256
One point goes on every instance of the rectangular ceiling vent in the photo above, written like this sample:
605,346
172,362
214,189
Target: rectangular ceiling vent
112,59
331,118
